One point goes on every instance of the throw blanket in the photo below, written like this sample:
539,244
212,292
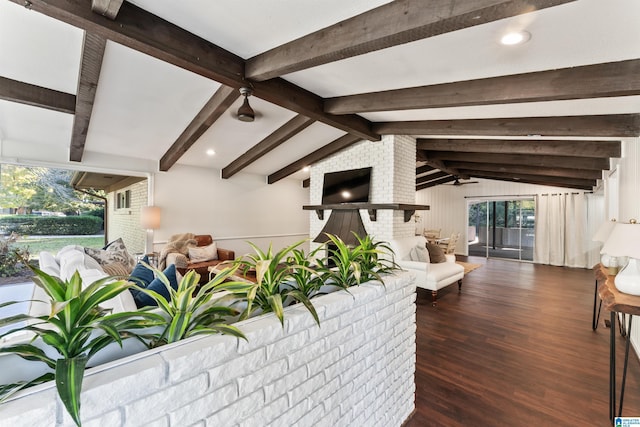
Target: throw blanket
177,243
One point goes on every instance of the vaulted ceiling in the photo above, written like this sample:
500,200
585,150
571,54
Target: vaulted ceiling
144,85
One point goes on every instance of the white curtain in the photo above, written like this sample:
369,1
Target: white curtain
561,225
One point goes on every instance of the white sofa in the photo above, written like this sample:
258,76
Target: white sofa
69,259
431,276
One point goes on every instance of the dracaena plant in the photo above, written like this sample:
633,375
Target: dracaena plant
307,277
373,258
77,328
347,266
196,310
270,290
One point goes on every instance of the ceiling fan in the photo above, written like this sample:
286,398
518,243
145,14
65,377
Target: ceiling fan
457,182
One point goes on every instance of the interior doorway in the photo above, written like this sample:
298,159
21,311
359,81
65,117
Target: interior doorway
501,228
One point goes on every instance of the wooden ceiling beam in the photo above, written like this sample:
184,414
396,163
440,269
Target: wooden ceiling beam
151,35
393,24
528,170
424,169
281,135
438,164
215,107
583,184
430,177
108,8
321,153
610,79
434,183
616,126
521,159
36,96
294,98
90,65
575,148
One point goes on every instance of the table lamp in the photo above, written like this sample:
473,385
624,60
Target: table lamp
624,241
601,235
150,220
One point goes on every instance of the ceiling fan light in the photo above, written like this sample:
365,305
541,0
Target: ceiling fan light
245,112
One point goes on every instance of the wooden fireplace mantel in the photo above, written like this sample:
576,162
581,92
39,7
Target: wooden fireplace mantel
372,208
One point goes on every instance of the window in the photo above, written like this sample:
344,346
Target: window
123,199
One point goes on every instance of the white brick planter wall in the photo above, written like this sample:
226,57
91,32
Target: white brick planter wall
356,369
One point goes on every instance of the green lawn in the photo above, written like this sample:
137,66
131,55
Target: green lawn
37,244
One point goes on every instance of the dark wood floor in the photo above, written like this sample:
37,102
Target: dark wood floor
516,348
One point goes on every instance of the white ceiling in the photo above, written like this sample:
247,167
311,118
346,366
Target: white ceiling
142,104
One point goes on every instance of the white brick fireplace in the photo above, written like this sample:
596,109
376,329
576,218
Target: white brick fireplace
393,160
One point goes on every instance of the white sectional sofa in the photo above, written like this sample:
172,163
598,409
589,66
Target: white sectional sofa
69,259
431,276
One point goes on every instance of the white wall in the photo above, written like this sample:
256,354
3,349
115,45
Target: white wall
448,205
232,210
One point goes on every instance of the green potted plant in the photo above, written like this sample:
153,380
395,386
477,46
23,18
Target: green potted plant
372,258
346,267
193,309
269,291
76,329
308,279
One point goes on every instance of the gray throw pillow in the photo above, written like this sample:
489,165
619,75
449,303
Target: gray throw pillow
436,254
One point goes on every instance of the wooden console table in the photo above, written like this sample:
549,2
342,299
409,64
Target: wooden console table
372,208
617,302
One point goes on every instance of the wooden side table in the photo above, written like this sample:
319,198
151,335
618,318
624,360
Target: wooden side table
600,272
617,302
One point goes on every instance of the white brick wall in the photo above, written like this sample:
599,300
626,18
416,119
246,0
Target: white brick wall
392,181
356,369
125,223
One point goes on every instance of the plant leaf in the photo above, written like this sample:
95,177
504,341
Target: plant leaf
275,302
7,390
69,374
299,296
29,352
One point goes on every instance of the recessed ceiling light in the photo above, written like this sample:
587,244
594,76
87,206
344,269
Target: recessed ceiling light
211,152
515,37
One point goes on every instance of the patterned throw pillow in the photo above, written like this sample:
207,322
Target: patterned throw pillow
204,253
116,269
113,252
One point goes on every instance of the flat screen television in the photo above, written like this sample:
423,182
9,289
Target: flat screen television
350,186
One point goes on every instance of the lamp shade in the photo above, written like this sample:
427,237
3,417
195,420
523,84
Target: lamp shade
150,217
624,240
603,232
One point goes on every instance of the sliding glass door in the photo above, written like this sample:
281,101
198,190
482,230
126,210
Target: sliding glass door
501,228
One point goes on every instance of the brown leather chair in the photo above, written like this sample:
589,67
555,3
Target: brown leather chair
183,264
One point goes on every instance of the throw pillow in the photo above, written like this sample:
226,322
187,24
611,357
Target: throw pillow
204,253
419,253
116,269
114,252
144,300
142,275
436,254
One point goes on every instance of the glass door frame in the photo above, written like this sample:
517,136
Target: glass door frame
490,214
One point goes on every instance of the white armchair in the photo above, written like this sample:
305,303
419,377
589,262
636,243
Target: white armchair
431,276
